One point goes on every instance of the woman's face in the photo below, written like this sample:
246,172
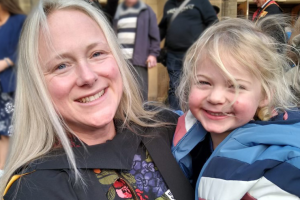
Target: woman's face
81,73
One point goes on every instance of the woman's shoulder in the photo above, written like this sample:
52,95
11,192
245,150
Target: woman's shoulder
168,116
40,184
166,120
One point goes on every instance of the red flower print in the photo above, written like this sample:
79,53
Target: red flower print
122,189
140,195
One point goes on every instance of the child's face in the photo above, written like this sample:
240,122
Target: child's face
214,93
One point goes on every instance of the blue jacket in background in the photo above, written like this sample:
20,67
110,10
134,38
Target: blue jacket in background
260,160
9,38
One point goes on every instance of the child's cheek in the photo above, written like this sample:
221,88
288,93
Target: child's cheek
243,110
194,99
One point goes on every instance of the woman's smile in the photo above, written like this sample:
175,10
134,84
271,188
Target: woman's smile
91,98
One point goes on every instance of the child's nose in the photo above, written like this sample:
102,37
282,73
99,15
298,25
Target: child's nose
217,96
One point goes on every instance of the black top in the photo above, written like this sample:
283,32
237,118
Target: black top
273,9
138,164
194,18
109,9
200,154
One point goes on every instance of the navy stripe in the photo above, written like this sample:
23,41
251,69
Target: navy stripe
127,30
128,46
232,169
293,118
285,176
129,15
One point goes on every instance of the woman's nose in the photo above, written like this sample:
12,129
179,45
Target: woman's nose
217,96
86,75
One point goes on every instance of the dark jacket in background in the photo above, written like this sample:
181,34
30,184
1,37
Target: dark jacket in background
109,9
271,8
147,40
9,39
188,25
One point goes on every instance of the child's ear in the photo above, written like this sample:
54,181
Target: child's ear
264,102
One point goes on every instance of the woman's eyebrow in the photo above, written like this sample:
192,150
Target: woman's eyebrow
67,54
102,44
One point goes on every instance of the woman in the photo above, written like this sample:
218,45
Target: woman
81,131
11,22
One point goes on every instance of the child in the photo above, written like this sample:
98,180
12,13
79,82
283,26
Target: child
239,138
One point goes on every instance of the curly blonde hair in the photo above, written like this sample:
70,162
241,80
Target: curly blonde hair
253,49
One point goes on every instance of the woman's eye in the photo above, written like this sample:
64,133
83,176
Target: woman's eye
96,54
61,66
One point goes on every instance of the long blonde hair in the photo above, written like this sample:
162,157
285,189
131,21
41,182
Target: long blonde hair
37,126
253,49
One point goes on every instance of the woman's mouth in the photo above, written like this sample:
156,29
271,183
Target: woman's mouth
91,98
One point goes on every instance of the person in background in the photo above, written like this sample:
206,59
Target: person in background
181,33
136,26
265,8
109,9
11,22
217,9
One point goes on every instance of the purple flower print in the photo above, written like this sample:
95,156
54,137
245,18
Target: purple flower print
158,185
136,165
142,181
147,167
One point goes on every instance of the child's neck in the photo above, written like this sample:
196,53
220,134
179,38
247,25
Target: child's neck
217,138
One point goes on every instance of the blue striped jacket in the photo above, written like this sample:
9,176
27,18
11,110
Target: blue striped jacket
258,161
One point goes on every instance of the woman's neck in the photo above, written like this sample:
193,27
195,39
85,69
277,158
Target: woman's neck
4,15
97,136
217,138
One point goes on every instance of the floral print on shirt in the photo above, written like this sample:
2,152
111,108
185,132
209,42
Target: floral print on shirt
142,182
6,112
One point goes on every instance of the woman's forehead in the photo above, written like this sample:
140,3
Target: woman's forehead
70,30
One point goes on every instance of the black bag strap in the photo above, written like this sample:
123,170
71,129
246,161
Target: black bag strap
161,154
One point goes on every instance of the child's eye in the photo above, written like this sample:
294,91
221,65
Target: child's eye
241,87
203,83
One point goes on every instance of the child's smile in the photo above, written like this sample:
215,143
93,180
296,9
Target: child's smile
213,99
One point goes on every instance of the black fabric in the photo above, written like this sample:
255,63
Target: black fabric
109,9
53,179
188,25
168,166
200,155
273,9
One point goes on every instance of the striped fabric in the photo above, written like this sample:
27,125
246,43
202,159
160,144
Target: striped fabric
258,161
126,30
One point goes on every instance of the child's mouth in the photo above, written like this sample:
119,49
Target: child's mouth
219,114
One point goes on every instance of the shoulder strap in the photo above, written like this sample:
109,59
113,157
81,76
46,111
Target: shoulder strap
164,160
175,14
